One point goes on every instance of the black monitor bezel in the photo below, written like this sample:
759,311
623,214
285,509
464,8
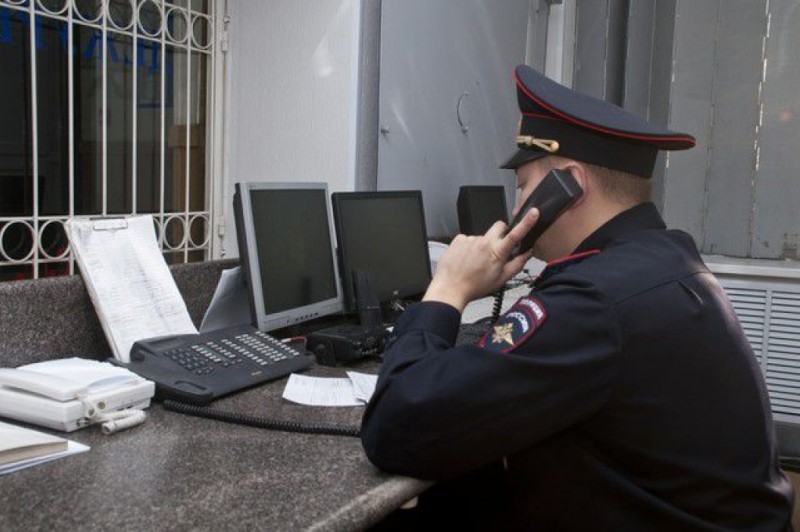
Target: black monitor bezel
336,199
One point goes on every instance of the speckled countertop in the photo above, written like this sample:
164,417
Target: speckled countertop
177,472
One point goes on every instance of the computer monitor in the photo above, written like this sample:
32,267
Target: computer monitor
479,207
382,232
286,248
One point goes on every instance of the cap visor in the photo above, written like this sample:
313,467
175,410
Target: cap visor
522,157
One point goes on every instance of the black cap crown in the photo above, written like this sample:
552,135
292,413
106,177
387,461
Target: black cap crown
560,121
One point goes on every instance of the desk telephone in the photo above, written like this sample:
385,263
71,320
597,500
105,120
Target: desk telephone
197,368
72,393
192,370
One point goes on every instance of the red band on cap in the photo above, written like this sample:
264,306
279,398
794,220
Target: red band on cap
539,115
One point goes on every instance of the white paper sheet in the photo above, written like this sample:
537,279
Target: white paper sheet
128,280
72,448
229,306
363,385
355,390
320,391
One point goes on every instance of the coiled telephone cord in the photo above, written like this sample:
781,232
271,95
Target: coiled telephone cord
262,423
498,304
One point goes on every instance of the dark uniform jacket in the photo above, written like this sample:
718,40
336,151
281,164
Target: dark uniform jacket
622,394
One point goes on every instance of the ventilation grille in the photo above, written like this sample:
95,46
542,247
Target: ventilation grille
770,316
783,343
750,305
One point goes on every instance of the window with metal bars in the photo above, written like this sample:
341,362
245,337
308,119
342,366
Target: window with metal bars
105,113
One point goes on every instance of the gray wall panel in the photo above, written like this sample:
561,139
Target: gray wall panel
701,66
777,211
536,48
742,23
591,47
600,48
368,96
661,67
432,53
639,57
660,80
616,38
691,111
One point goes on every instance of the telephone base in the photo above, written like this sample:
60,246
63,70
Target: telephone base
70,415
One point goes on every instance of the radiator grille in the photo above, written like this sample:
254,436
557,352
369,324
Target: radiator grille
770,316
783,356
750,305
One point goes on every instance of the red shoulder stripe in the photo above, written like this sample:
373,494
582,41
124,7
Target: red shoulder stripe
573,257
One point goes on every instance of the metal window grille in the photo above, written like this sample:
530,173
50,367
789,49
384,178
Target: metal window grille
112,100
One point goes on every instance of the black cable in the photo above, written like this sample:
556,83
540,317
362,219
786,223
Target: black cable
528,277
498,304
252,421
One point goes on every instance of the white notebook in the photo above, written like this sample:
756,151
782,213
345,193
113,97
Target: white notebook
17,444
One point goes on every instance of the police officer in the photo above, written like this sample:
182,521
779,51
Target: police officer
621,393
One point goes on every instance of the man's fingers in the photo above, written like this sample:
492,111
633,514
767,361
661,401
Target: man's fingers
497,230
519,231
515,265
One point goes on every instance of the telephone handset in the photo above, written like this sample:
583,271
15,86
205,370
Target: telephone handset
52,386
557,191
66,379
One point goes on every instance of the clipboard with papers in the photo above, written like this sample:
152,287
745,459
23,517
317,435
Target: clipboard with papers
128,280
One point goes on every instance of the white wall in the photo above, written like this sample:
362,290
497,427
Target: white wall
293,95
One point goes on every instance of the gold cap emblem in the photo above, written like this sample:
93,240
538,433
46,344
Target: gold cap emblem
526,141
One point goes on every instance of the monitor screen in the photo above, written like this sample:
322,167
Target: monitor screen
479,207
291,267
383,232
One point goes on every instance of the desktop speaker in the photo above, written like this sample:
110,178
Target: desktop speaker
479,207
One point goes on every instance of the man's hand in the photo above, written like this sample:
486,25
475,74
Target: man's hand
474,266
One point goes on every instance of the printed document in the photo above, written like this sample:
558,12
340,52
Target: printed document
128,280
363,385
355,390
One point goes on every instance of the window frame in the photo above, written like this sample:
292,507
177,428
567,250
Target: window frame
200,222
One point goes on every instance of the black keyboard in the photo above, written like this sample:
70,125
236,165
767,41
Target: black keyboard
198,368
470,333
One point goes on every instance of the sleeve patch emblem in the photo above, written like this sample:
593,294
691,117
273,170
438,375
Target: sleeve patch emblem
517,325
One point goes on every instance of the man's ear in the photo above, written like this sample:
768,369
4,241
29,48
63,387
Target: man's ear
581,175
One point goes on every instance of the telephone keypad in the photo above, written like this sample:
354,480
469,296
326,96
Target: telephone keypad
259,348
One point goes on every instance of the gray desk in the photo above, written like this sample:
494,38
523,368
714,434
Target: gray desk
177,472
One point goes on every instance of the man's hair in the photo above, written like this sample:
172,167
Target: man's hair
621,187
617,186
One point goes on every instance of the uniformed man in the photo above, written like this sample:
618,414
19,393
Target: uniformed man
621,394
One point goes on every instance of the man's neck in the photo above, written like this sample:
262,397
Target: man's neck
582,226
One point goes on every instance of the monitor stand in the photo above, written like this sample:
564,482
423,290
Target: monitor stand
367,304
